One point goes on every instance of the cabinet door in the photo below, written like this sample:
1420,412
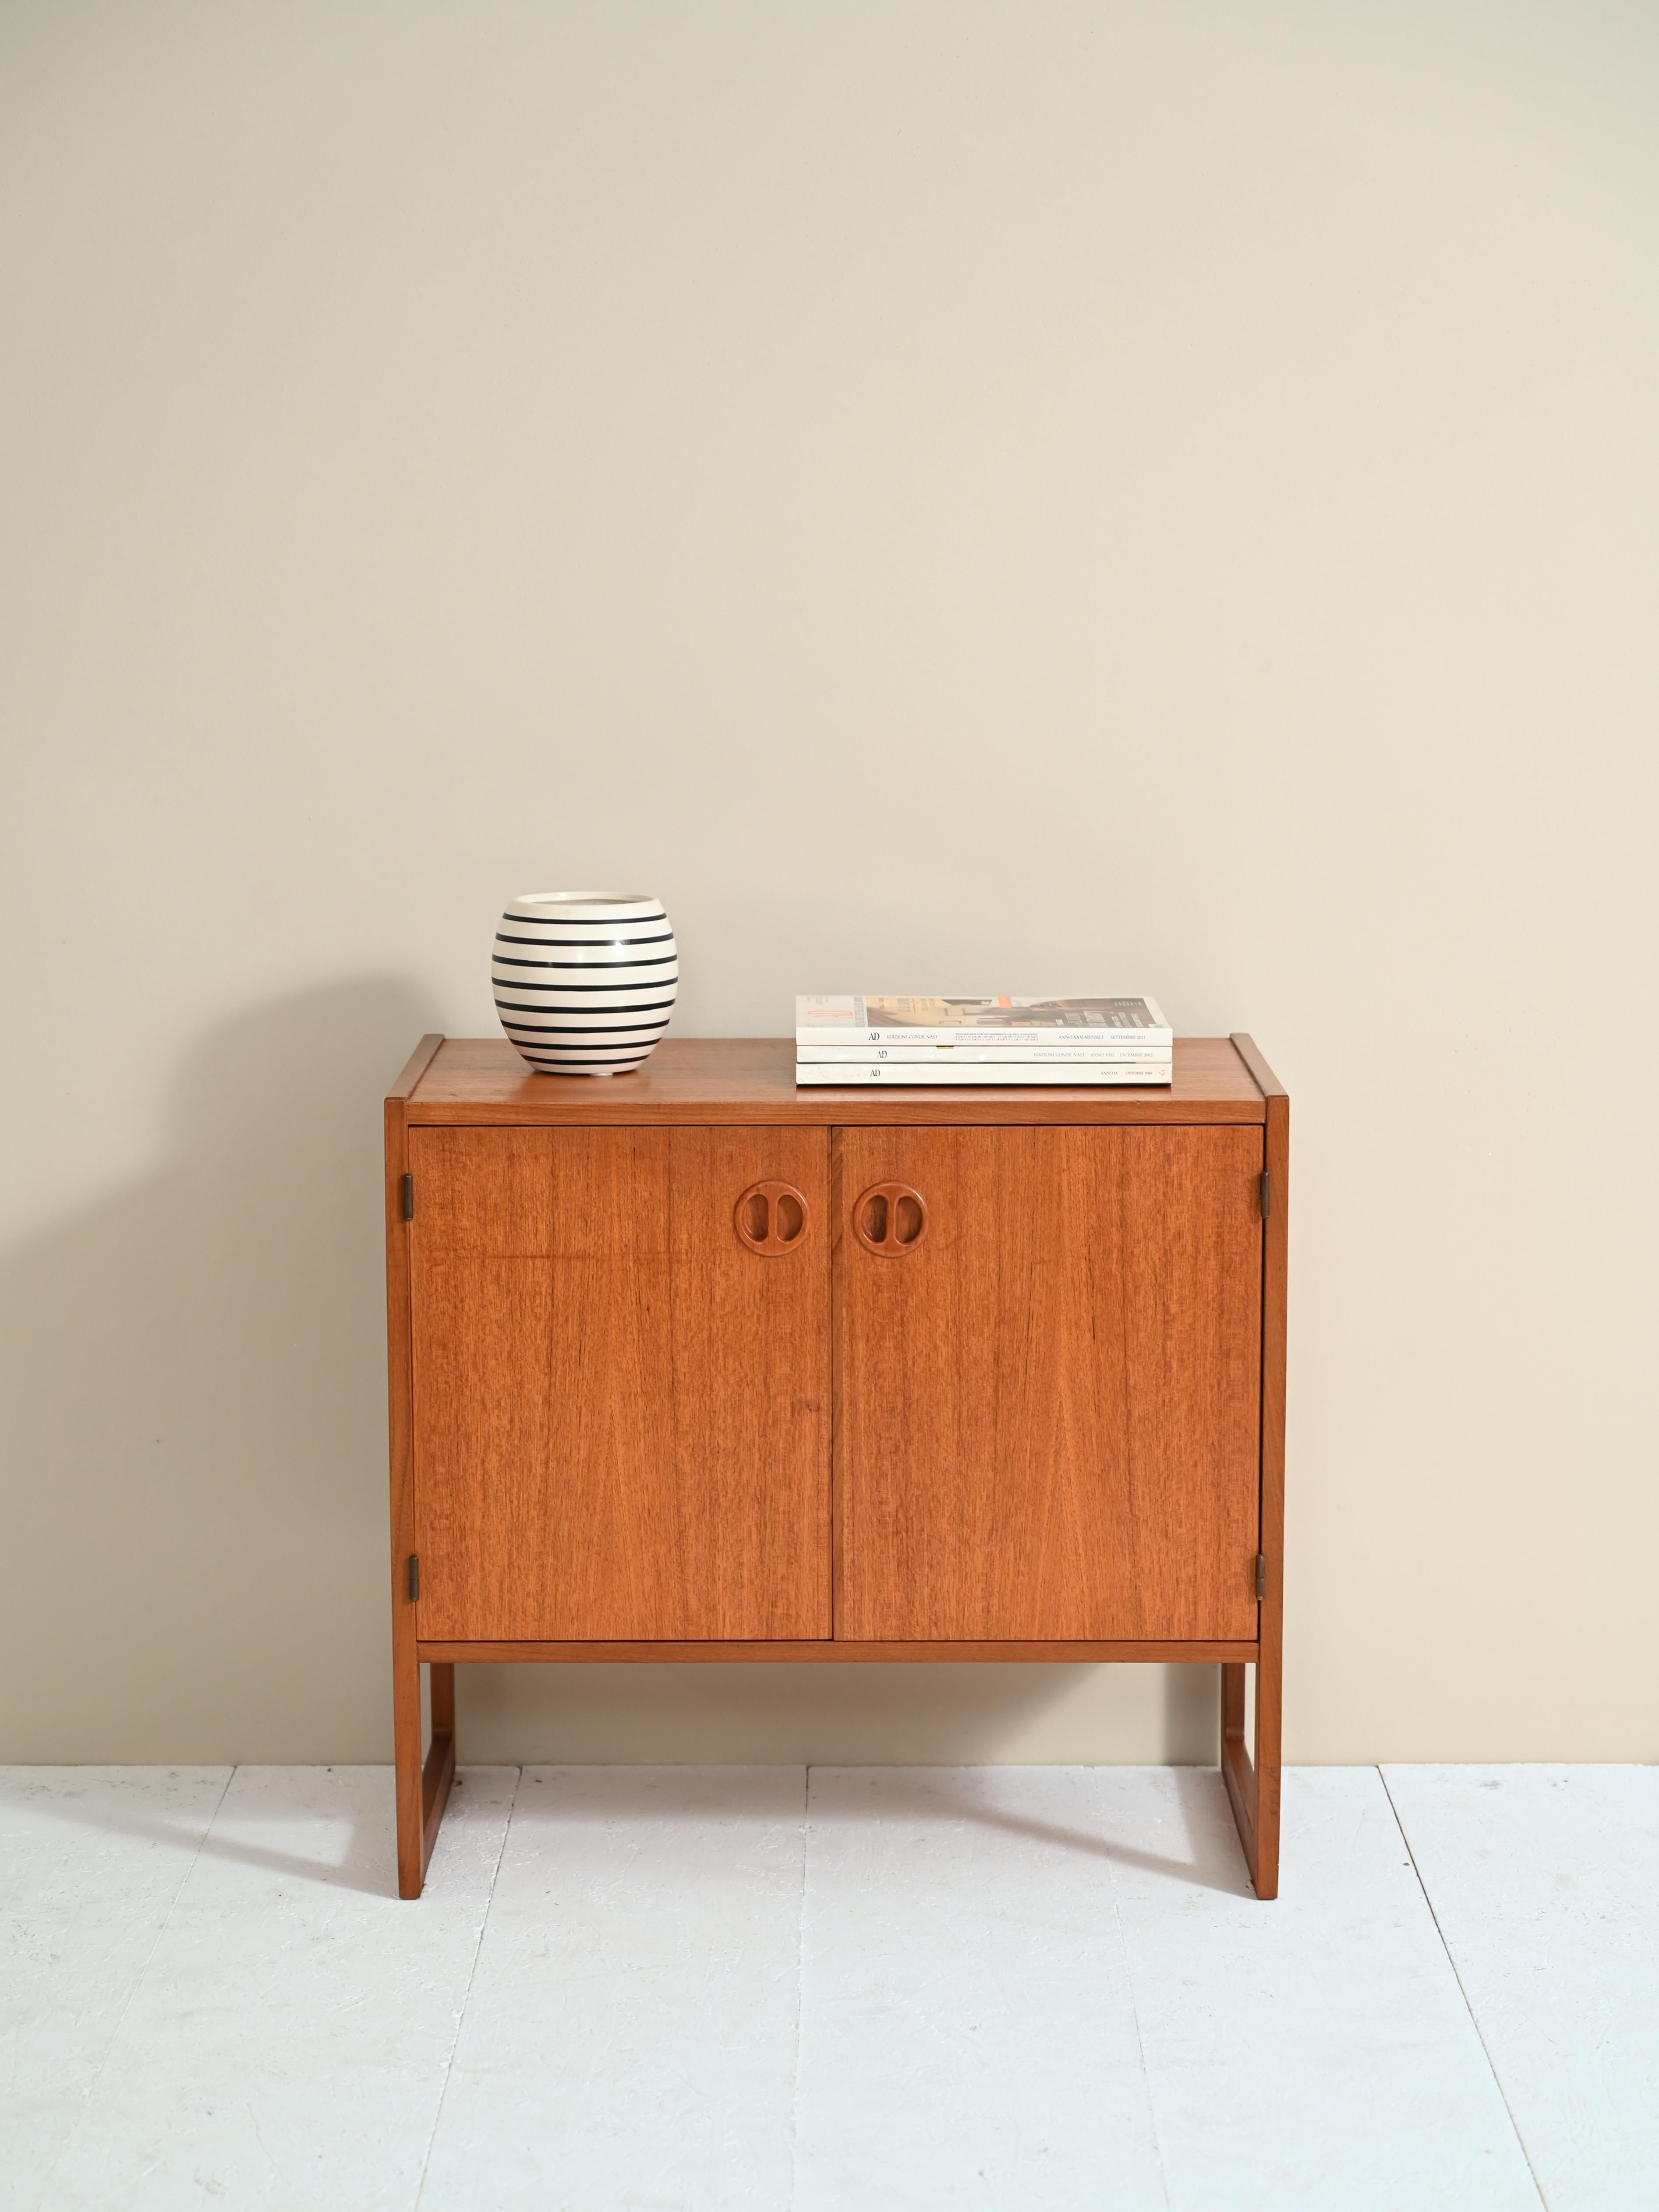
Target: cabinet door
1049,1402
621,1412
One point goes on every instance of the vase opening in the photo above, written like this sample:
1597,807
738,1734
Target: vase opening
581,898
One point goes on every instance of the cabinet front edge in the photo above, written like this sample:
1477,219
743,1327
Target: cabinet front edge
447,1652
956,1111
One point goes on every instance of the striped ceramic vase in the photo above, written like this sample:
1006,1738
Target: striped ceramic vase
585,981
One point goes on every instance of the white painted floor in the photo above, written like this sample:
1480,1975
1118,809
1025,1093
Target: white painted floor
636,1989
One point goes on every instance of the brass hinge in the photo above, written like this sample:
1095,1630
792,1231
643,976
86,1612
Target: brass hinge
1266,1188
409,1197
414,1576
1261,1574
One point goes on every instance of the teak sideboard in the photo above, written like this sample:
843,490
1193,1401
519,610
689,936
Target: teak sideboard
692,1365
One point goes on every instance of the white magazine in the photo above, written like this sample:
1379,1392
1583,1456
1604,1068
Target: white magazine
865,1019
942,1055
1091,1075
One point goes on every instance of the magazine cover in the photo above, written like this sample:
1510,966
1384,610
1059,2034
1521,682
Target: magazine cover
825,1017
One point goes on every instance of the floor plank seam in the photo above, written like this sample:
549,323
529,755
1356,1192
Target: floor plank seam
800,1990
466,1994
1140,2040
74,2135
1474,2022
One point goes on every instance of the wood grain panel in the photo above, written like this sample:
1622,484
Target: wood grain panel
621,1413
712,1080
1049,1411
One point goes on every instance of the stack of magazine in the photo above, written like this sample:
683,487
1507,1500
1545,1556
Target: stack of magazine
865,1040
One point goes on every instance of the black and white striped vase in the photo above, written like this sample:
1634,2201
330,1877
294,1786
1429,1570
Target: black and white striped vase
585,981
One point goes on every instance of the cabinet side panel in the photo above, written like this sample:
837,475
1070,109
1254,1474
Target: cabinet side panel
405,1665
399,1436
1269,1671
1051,1407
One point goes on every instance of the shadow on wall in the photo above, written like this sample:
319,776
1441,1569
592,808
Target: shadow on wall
194,1432
195,1420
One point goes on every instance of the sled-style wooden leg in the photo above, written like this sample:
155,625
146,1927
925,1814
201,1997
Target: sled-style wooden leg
1253,1781
423,1787
439,1772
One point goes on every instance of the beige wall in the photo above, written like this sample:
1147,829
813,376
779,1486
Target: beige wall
1030,496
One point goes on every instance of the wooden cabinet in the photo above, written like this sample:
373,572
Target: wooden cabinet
691,1364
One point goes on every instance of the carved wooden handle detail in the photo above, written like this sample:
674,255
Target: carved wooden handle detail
890,1219
771,1219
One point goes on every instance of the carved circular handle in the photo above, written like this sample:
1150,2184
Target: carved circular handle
771,1217
889,1220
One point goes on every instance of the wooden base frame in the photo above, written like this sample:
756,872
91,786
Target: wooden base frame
423,1783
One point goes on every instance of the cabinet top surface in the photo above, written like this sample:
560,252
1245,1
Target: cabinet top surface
712,1079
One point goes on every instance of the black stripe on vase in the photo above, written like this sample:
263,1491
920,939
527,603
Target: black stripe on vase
602,1049
586,920
588,990
578,1024
621,987
628,959
593,967
586,1020
511,1021
606,1042
556,1060
663,937
616,1047
566,1041
660,960
576,1028
580,1021
650,963
586,1017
